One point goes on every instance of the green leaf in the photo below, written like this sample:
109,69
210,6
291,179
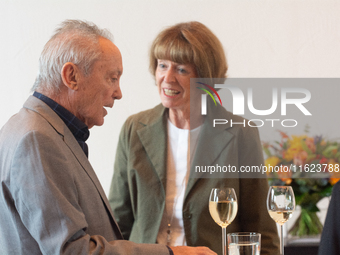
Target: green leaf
328,152
310,157
327,191
337,155
308,223
305,147
267,151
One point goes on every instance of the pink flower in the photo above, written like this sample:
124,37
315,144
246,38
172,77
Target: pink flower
310,144
300,158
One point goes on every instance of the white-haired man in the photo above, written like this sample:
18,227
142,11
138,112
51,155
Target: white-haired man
50,198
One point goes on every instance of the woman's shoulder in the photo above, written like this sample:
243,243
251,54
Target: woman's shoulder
146,117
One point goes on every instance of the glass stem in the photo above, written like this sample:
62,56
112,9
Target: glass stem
224,240
281,240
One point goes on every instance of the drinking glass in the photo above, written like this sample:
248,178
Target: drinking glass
244,243
280,205
223,210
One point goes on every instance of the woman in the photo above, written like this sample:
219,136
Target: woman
152,196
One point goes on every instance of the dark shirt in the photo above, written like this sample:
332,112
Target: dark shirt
76,126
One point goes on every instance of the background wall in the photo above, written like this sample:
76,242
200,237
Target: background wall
262,39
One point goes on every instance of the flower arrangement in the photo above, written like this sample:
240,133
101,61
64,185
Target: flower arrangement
311,166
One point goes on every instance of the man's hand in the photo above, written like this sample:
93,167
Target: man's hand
181,250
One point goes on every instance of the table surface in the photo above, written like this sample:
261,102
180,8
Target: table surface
302,246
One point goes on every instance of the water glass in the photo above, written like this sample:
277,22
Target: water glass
244,243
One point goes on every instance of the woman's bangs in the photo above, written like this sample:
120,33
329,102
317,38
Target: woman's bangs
177,51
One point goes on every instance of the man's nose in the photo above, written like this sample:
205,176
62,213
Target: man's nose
117,93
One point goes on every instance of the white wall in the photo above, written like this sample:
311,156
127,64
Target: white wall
299,38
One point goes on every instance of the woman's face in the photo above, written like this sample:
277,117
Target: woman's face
173,81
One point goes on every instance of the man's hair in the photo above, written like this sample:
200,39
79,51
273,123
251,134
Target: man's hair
74,41
190,43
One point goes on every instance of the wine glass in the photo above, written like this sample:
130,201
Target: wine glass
280,205
223,210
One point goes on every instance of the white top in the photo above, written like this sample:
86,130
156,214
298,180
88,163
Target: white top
176,180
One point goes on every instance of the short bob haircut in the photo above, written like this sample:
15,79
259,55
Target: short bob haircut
190,43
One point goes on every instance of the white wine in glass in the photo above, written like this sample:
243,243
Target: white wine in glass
280,205
280,217
223,210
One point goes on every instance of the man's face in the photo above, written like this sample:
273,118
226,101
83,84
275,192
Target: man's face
101,87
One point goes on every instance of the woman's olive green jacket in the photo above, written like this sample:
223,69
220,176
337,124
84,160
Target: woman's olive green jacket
137,191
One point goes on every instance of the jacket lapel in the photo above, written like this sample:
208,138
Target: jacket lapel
211,141
154,139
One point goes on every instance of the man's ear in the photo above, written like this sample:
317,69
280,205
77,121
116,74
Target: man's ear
70,75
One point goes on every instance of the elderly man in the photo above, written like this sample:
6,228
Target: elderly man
50,198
